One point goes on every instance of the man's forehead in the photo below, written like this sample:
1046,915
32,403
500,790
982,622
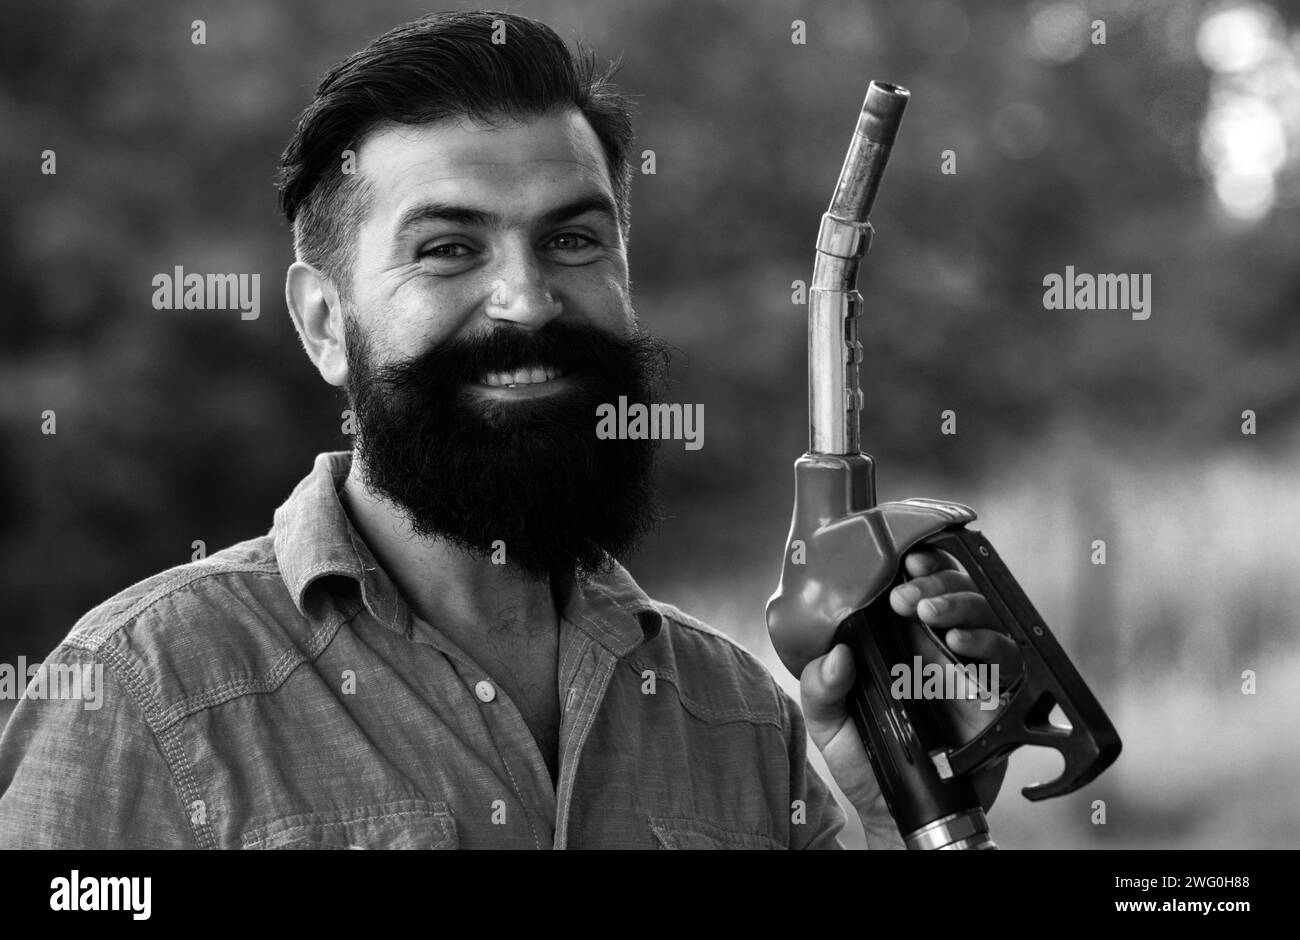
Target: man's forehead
405,162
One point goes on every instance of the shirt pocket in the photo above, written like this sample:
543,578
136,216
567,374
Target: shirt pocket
404,824
684,833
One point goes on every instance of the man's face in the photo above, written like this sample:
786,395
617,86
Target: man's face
489,317
546,243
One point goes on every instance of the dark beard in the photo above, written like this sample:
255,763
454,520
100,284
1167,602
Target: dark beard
529,472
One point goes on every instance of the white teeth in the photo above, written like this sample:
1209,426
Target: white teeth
521,377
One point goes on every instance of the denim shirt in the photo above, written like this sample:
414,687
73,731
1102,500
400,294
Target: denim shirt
281,694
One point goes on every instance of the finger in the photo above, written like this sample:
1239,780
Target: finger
904,598
958,609
822,687
987,646
921,561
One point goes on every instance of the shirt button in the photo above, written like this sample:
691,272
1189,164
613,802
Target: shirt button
485,691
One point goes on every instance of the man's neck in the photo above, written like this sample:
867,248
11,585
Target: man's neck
463,594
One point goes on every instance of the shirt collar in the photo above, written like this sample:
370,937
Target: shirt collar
612,609
315,539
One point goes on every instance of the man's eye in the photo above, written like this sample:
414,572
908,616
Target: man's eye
572,241
447,251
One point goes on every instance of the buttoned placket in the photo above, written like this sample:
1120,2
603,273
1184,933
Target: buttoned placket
586,665
592,667
585,669
502,719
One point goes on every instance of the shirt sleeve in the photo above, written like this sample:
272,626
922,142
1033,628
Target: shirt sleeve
86,772
819,825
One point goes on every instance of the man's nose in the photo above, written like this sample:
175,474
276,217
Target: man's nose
521,293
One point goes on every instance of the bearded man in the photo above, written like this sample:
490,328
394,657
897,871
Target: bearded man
436,645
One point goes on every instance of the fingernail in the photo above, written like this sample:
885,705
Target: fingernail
909,594
934,606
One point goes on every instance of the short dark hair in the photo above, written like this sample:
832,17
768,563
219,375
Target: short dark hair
440,66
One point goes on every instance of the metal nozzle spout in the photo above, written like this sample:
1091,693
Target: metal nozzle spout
877,126
882,112
834,398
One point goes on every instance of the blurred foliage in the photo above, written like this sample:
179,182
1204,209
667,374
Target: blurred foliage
175,426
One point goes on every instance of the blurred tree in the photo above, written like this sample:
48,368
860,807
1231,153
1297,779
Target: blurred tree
176,426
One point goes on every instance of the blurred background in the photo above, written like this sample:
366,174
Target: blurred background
1173,149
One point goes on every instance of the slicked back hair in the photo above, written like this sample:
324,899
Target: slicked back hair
444,65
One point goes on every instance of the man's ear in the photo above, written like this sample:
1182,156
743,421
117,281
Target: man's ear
318,316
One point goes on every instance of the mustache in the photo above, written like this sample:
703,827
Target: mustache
574,348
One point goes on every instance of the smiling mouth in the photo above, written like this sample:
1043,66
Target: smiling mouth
521,378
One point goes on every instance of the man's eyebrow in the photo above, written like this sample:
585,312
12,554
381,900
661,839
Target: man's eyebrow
467,215
593,202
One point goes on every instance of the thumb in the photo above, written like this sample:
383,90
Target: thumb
822,688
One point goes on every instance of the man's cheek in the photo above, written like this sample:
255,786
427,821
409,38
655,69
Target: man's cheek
600,298
422,315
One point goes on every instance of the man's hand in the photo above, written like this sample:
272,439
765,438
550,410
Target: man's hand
944,598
